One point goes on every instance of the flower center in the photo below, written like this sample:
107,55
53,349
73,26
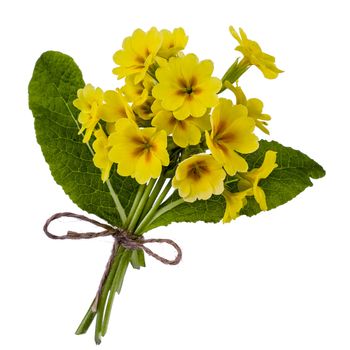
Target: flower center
147,146
142,145
197,170
189,90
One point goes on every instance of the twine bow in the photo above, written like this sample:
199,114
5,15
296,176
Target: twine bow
121,238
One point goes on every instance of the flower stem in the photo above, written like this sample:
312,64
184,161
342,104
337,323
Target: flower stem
117,203
87,320
104,293
135,204
155,192
159,213
115,287
149,216
141,205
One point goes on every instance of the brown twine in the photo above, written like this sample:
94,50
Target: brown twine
121,238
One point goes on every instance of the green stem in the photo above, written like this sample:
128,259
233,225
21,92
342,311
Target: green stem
141,205
117,203
149,216
115,287
137,259
104,293
87,320
135,204
155,192
160,212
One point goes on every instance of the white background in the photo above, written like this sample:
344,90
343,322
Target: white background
277,281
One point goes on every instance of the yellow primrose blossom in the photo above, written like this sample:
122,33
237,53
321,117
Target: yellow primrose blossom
232,132
250,180
139,153
199,177
138,53
234,203
184,132
186,86
116,107
255,108
138,93
89,102
173,42
254,105
110,128
254,55
144,111
100,159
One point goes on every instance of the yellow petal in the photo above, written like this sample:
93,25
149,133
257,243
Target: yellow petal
184,111
147,166
260,197
233,162
268,165
244,141
186,133
164,120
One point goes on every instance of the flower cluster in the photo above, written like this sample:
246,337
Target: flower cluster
169,120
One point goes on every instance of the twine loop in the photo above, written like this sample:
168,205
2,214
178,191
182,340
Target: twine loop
121,238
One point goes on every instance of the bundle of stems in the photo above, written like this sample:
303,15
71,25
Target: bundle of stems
147,206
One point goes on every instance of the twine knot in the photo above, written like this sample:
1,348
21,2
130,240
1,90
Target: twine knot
121,238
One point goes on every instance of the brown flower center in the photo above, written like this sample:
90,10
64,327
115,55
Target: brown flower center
197,170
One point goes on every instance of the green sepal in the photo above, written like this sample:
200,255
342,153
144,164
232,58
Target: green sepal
236,70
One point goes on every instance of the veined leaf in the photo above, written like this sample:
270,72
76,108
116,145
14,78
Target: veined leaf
288,180
52,89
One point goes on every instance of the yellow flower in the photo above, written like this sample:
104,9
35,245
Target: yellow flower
254,55
234,203
173,42
89,102
199,177
184,132
139,153
144,111
137,93
250,180
254,105
186,86
110,128
100,159
138,53
116,107
232,132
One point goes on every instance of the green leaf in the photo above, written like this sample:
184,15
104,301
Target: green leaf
291,177
53,87
288,180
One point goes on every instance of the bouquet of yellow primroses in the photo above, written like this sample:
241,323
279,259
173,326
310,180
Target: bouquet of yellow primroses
165,146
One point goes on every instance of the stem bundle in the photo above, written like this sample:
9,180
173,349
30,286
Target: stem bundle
145,208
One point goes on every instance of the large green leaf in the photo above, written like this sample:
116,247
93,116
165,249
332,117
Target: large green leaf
53,87
288,180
